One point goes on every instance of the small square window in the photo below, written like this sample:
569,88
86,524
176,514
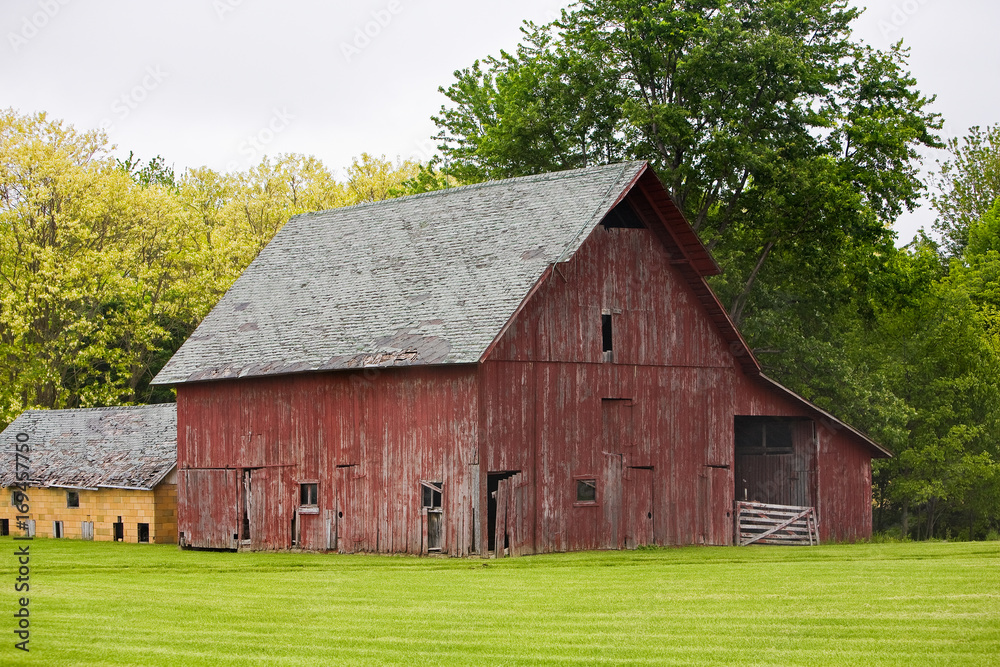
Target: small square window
309,494
431,494
72,499
586,490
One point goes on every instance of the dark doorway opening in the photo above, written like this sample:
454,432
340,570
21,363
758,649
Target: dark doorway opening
4,526
245,490
143,529
493,480
119,530
775,460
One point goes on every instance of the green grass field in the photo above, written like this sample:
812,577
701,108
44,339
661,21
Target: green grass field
99,603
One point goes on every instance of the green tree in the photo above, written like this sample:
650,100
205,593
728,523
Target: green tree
92,265
968,183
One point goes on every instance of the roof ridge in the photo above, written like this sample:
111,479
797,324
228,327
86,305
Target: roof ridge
101,408
530,178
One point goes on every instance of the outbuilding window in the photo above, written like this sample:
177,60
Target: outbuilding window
72,499
309,494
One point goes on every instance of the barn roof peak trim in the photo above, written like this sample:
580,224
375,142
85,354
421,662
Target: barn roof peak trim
427,279
128,447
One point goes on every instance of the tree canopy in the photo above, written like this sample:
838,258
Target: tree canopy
108,265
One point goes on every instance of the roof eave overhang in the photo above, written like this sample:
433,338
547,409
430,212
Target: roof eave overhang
828,420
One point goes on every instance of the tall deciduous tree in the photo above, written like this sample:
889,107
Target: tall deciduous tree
776,134
107,266
968,184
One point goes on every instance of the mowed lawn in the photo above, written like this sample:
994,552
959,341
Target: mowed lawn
98,603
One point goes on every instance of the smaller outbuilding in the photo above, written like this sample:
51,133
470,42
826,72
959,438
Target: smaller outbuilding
93,473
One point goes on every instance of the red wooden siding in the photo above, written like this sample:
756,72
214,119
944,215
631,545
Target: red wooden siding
367,439
661,412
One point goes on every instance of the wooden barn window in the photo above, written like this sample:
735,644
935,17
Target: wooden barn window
72,499
430,502
309,494
586,491
430,493
768,436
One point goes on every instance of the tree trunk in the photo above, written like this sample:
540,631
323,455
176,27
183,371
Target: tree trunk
740,302
905,520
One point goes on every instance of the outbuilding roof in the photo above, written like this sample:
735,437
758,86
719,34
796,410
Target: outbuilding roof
92,448
425,279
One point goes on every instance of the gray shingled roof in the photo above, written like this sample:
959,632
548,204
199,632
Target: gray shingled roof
131,447
426,279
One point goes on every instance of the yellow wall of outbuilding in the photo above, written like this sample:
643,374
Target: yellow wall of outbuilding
103,507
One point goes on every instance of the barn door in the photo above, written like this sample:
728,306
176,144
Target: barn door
256,492
610,498
350,518
637,506
506,514
207,504
246,484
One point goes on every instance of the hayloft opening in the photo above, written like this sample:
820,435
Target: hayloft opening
622,216
607,336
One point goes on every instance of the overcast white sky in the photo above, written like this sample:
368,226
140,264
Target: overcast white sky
219,82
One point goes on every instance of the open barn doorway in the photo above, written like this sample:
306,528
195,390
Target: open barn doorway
502,510
775,460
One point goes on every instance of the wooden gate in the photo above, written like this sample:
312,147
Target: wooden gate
759,523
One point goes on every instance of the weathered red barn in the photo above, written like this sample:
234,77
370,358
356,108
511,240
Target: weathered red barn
528,365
